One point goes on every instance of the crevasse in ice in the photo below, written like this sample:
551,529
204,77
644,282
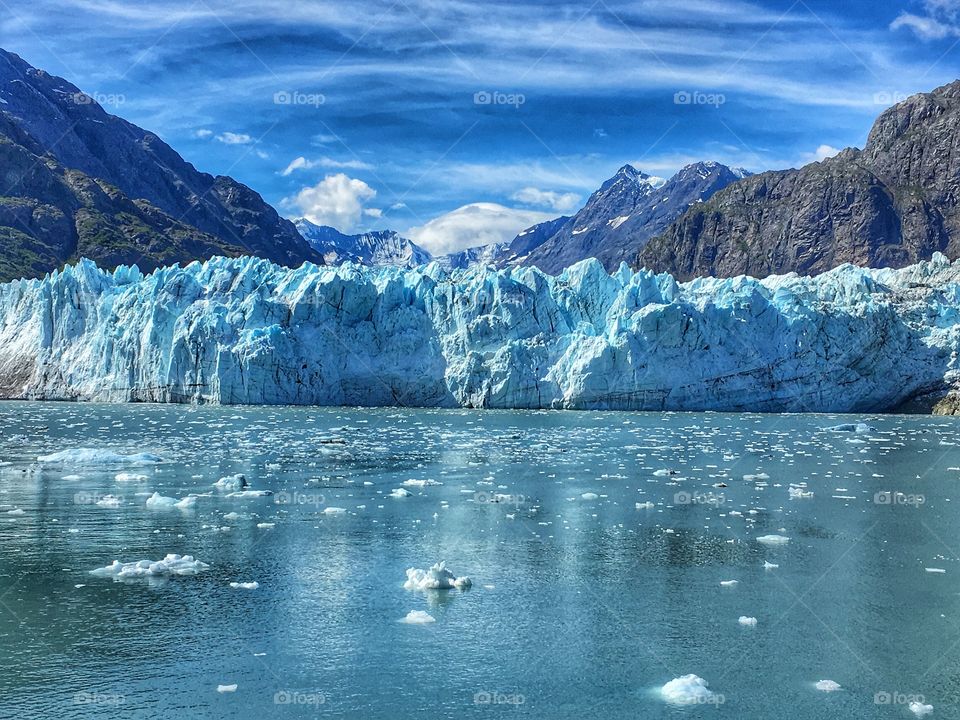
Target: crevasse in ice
247,331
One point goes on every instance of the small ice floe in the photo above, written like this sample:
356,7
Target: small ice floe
757,477
265,525
919,709
161,502
420,483
665,473
418,617
72,477
334,511
938,571
688,690
400,493
770,566
747,621
245,494
729,583
797,492
93,456
245,585
111,501
171,564
232,483
859,428
773,539
130,477
436,578
589,496
16,511
827,686
227,688
644,506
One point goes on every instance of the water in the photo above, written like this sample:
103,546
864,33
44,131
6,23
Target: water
579,607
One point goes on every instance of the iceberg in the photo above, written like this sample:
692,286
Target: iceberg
246,331
689,690
171,564
436,578
83,457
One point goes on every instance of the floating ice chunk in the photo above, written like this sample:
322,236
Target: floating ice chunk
798,493
93,456
436,578
110,501
130,477
418,617
334,511
747,621
400,493
688,690
939,571
770,566
73,477
266,525
245,585
227,688
729,583
161,502
757,477
171,564
859,428
773,539
645,506
420,483
16,511
244,494
827,685
665,473
589,496
919,709
231,482
187,503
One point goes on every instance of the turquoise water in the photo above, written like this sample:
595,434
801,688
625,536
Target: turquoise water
582,604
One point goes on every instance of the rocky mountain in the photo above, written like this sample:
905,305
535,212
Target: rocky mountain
620,217
893,203
81,182
376,249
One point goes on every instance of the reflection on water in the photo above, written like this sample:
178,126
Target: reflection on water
596,542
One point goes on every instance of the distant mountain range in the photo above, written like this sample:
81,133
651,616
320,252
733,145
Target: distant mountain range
79,182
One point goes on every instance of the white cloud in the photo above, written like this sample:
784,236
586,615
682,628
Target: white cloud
230,138
337,200
824,151
472,225
301,163
942,20
203,133
561,202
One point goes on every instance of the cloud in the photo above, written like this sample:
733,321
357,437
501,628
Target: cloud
561,202
941,20
230,138
472,225
203,134
823,152
301,163
337,200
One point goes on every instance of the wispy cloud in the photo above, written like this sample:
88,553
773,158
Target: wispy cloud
939,19
472,225
301,163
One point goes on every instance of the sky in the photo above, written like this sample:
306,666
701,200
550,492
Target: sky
458,122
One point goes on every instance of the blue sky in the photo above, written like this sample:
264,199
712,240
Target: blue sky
459,122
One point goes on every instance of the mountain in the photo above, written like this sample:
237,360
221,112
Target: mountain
79,181
620,217
376,249
891,204
480,255
246,331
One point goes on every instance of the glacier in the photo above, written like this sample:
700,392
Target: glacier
246,331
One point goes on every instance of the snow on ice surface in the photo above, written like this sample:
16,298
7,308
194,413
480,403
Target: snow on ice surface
688,690
82,457
246,331
438,577
171,564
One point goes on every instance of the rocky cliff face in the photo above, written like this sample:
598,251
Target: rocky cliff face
152,206
619,219
889,205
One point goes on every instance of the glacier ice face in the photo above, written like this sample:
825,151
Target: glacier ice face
247,331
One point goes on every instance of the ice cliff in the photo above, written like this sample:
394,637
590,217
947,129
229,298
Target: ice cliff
247,331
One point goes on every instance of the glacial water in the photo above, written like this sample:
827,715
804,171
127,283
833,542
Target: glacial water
600,548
